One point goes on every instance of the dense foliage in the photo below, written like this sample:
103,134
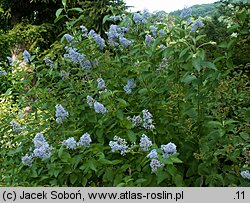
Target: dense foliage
147,104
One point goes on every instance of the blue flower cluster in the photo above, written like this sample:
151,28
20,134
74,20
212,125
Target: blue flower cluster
85,140
168,149
3,72
141,18
245,174
75,56
42,148
149,40
153,30
48,62
26,56
147,120
97,38
116,36
16,126
153,154
186,12
69,38
145,143
70,143
130,84
84,31
155,164
162,33
101,83
61,113
99,108
197,23
136,120
119,144
27,160
115,18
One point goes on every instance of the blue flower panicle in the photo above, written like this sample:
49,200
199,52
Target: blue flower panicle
136,120
69,38
127,89
39,140
85,140
75,56
168,149
147,120
99,108
162,33
153,30
3,72
48,62
119,144
42,148
149,40
153,154
245,174
98,39
26,56
16,126
90,101
155,164
124,42
116,36
186,12
70,143
61,114
137,18
101,83
27,160
84,31
130,84
145,143
197,23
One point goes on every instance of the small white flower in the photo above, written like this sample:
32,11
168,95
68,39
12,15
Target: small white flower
234,34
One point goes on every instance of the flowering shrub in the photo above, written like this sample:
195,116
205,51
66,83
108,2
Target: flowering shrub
135,110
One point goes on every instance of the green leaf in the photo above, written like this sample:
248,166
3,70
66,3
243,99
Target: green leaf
60,152
183,52
59,18
197,63
161,176
58,12
209,65
119,114
223,45
176,160
188,79
56,172
131,136
122,102
84,181
105,19
143,91
92,164
178,180
73,178
200,37
76,9
64,2
203,169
